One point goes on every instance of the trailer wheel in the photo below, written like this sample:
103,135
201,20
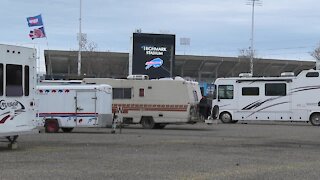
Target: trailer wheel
225,117
51,126
315,119
147,123
67,130
159,126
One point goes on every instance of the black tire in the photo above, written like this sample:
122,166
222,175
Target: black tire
67,130
215,112
226,117
51,126
148,123
315,119
159,126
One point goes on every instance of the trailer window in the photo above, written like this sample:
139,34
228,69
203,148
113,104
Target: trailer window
312,74
1,79
195,96
14,80
26,81
225,92
121,93
250,91
141,92
275,89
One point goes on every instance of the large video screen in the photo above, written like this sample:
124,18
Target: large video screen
153,55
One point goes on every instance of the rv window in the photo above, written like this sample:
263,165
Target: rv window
26,81
121,93
225,92
250,91
1,79
14,80
312,74
275,89
141,92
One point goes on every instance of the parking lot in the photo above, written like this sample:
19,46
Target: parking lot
220,151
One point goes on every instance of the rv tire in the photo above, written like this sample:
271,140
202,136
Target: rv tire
225,117
67,130
315,119
51,126
147,123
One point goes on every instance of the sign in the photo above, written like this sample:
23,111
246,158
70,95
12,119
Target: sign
153,55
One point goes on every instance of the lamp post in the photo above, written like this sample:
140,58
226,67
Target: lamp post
80,42
252,3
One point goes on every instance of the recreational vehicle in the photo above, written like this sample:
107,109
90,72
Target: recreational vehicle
17,91
284,98
154,103
75,105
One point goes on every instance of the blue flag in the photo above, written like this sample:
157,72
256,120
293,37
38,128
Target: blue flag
35,21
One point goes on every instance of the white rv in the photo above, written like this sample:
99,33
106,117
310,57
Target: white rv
69,106
285,98
154,103
17,91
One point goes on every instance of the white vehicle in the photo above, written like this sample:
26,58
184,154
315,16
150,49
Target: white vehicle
154,103
285,98
17,91
70,106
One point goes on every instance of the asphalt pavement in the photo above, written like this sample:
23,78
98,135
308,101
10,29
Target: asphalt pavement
221,151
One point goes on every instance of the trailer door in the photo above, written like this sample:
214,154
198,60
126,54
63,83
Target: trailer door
86,105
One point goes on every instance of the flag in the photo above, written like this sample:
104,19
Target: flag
35,21
37,33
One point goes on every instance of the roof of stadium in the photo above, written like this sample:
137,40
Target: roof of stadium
63,65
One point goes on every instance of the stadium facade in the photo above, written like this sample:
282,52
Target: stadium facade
63,65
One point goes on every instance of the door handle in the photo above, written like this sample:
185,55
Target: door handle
79,109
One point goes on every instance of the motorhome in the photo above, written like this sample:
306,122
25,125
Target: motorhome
17,91
67,106
283,98
154,103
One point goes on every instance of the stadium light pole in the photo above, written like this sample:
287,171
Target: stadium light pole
80,42
252,3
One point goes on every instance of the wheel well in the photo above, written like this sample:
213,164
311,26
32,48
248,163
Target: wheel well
145,117
313,114
50,119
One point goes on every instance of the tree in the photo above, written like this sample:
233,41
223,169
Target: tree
316,55
246,53
89,48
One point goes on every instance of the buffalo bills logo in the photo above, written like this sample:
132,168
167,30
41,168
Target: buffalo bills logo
157,62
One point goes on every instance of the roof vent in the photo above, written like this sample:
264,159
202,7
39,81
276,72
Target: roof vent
287,74
245,75
138,77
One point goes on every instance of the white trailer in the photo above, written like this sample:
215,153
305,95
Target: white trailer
70,106
17,92
154,103
285,98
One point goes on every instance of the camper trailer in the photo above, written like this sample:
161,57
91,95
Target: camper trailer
284,98
68,106
154,103
17,91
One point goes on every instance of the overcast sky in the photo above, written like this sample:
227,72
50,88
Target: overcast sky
284,29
